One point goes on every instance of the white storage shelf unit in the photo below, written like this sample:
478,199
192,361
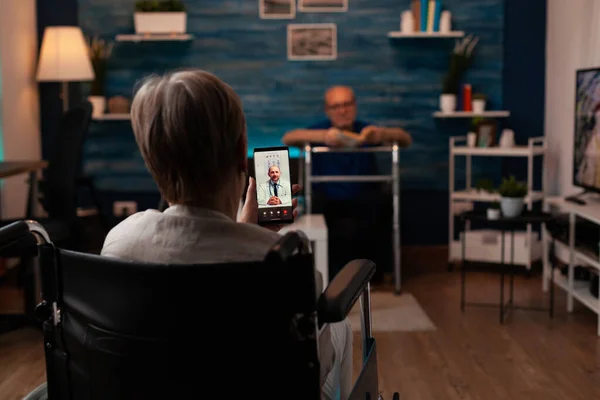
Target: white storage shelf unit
572,256
485,245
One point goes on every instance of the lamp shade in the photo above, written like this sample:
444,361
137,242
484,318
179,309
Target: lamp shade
64,56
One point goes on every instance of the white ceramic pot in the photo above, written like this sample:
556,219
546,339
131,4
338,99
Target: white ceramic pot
160,22
478,106
511,206
493,213
448,103
98,105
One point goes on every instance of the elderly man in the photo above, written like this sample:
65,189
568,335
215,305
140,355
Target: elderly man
350,208
275,191
191,131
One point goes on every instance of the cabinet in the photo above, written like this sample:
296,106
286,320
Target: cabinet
571,255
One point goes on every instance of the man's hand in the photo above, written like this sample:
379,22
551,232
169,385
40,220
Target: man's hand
332,138
249,212
371,134
274,200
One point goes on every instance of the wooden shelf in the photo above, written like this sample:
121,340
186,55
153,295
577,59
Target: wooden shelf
112,117
180,37
515,151
483,196
426,35
471,114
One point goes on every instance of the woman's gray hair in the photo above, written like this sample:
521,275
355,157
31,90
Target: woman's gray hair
190,128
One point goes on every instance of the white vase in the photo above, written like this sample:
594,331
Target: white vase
160,22
493,213
507,139
407,22
448,103
98,105
471,139
478,106
511,206
445,21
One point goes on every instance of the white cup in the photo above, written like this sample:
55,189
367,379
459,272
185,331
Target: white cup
471,139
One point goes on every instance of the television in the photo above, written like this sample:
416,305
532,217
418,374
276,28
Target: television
586,138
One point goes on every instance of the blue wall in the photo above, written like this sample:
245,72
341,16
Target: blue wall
397,81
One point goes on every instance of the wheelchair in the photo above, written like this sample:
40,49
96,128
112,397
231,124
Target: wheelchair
116,329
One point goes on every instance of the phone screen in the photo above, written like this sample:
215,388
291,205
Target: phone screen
273,185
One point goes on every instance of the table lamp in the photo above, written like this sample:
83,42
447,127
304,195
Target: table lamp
64,58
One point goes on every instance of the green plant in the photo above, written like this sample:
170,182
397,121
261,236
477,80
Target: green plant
485,184
99,52
512,188
476,121
479,96
159,6
460,60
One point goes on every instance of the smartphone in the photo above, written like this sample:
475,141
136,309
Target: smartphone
273,185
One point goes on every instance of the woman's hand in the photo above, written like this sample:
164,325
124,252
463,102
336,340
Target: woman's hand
249,212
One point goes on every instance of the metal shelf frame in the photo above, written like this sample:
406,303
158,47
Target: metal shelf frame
305,168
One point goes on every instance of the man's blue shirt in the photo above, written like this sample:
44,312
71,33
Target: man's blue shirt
343,164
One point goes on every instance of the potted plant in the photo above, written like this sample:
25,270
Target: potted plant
99,52
512,197
478,102
160,17
493,211
460,59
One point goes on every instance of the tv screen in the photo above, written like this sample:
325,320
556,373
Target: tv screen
586,146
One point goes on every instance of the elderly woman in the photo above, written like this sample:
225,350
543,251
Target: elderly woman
191,131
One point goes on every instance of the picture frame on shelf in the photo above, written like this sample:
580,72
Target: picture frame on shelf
277,9
324,6
312,42
486,133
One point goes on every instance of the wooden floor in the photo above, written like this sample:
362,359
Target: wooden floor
469,356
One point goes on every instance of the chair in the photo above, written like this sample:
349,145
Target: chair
115,329
58,190
64,174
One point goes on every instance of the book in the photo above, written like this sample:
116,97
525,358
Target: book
416,12
430,15
423,12
437,15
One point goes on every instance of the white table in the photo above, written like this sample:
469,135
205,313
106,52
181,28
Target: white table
314,226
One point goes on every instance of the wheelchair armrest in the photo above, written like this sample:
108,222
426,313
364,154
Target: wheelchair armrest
342,292
16,240
13,231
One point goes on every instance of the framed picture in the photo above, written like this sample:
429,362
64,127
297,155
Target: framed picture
323,5
277,9
317,42
486,134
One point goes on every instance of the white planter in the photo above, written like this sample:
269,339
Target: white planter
448,103
160,22
478,106
511,206
98,105
493,213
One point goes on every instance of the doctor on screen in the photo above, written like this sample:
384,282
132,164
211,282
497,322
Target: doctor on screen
275,191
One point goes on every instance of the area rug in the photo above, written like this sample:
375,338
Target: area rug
391,313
